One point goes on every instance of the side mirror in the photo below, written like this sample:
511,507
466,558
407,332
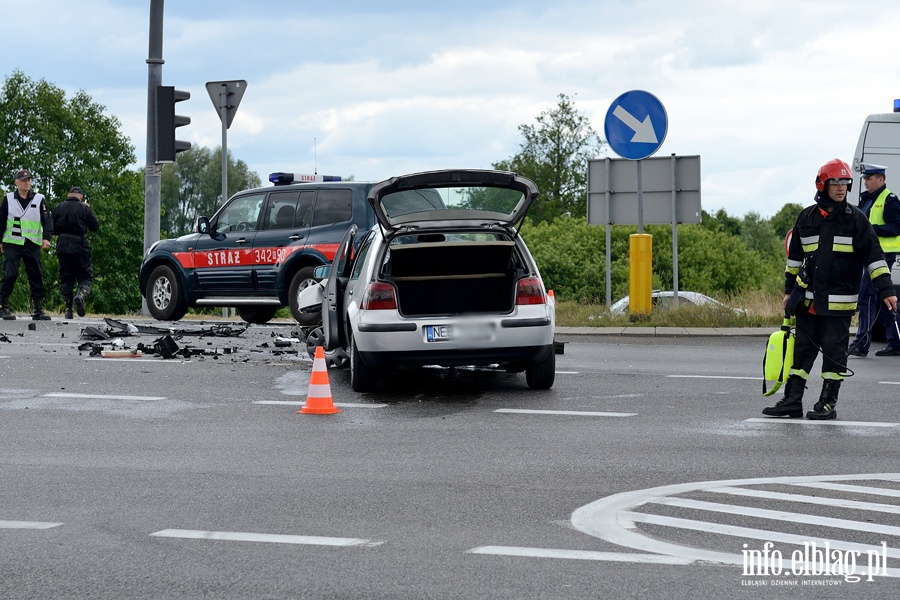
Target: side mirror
323,271
202,225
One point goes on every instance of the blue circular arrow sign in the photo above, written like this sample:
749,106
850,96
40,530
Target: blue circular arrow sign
636,125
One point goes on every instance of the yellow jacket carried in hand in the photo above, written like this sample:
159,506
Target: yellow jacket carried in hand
779,357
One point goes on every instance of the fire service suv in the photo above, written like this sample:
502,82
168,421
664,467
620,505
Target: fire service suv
258,251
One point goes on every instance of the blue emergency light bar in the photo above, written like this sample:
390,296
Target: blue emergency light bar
896,105
287,178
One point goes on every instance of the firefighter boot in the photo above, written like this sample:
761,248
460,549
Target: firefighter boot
4,310
39,314
68,302
79,299
824,408
792,403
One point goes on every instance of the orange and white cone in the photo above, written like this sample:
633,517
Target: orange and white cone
318,398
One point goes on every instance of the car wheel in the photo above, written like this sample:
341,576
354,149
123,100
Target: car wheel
362,377
302,279
540,375
335,359
164,299
258,315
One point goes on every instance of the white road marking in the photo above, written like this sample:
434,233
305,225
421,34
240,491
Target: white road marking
712,377
579,413
303,402
579,555
855,489
138,360
102,396
613,518
782,421
568,372
27,525
236,536
838,502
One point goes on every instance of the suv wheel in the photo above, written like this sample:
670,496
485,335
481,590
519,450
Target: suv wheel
163,293
258,315
302,279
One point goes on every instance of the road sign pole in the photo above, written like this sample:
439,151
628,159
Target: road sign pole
640,196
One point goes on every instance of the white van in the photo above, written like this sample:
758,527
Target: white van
879,144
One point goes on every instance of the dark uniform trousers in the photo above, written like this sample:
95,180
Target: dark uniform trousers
831,334
75,268
30,255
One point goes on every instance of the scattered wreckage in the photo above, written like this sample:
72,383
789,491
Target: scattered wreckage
108,342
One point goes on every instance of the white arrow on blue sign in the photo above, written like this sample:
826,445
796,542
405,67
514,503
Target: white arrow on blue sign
636,125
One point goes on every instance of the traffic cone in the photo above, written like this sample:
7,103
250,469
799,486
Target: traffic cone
318,398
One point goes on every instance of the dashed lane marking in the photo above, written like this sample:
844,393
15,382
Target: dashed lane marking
27,525
782,421
712,377
578,413
271,538
102,396
578,555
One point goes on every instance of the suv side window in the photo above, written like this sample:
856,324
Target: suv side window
280,210
333,206
242,214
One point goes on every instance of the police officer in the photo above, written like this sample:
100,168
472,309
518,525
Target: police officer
25,229
72,219
831,242
883,210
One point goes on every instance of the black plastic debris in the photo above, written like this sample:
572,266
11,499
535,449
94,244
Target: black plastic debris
166,347
3,338
93,333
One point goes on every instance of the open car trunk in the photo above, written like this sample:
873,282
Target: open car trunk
436,277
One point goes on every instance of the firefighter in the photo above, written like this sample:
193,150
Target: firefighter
831,242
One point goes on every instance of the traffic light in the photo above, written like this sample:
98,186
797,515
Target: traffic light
166,122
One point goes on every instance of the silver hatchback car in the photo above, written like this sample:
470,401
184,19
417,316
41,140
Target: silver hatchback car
443,279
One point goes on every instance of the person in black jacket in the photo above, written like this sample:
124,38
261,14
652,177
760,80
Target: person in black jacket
72,219
831,242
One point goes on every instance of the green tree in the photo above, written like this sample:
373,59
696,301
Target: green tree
70,141
554,155
192,186
784,219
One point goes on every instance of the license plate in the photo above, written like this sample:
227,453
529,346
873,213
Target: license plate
468,332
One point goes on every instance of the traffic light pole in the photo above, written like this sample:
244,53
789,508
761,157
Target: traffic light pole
152,174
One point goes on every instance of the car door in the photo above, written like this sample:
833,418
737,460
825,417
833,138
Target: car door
285,224
333,309
222,259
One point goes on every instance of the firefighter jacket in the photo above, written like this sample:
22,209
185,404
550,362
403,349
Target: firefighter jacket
827,251
24,219
72,219
883,209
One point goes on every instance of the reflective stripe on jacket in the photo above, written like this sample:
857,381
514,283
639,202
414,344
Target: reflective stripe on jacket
890,245
23,223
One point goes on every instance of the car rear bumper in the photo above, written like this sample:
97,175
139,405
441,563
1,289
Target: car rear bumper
450,357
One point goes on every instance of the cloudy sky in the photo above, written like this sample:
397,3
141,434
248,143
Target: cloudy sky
764,91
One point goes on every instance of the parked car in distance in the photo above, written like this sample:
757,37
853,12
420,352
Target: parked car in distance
258,252
443,279
666,300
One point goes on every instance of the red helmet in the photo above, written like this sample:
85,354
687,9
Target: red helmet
834,171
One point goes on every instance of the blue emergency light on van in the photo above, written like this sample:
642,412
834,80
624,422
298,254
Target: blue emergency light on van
897,105
288,178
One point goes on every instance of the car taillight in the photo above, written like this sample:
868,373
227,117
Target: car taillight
530,291
379,296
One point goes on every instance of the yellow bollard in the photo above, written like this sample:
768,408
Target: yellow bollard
640,274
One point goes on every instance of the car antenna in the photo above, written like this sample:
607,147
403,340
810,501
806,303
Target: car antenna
315,158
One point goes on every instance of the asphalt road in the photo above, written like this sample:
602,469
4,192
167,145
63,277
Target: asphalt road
646,472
